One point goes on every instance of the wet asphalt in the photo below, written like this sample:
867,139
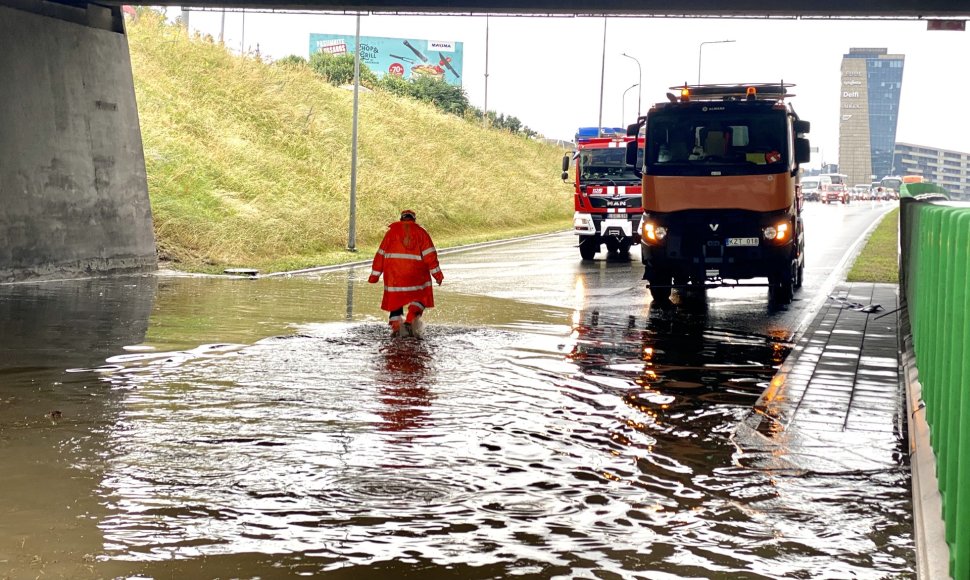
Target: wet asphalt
551,423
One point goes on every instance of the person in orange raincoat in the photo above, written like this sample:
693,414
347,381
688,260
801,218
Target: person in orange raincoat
408,260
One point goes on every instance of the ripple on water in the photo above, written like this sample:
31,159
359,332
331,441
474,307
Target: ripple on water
606,450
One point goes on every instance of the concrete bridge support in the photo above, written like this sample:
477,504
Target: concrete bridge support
73,191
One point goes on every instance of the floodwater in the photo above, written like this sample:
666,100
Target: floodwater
194,427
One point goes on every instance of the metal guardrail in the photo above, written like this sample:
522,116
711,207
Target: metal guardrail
934,253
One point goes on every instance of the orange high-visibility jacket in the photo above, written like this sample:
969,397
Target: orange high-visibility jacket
407,258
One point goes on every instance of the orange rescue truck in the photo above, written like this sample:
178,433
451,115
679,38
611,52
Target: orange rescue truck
720,190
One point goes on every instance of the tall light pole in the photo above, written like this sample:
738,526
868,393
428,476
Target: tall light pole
485,116
623,106
599,127
639,83
352,234
700,50
242,43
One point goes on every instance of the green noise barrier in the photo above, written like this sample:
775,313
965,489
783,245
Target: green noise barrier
934,279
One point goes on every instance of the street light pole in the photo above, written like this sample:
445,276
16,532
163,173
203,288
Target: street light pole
485,116
639,82
599,127
700,49
623,106
352,233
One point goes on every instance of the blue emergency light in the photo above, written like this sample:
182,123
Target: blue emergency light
587,133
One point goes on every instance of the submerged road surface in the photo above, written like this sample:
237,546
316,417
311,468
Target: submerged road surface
551,424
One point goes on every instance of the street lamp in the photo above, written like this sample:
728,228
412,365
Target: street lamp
623,107
639,82
700,50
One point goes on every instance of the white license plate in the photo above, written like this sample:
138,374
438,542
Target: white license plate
742,241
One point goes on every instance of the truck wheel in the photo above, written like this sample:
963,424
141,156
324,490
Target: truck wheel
800,273
612,245
588,247
779,290
660,294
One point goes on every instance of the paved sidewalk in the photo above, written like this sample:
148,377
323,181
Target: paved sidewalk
839,405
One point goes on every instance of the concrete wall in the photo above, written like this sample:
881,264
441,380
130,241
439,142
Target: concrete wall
73,190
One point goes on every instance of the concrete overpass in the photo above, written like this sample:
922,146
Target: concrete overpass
73,190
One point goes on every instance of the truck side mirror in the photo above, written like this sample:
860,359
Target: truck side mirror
633,130
565,175
565,164
803,151
802,127
631,158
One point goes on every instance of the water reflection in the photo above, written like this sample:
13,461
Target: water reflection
272,428
53,423
405,384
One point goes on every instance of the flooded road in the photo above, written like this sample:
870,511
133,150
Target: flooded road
551,424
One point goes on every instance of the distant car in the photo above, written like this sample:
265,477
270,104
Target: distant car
882,194
810,189
834,193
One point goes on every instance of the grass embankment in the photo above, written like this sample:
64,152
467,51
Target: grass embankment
878,261
249,163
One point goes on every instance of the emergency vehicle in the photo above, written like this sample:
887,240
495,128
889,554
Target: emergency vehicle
607,192
720,190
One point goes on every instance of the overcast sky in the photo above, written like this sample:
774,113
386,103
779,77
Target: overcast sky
546,70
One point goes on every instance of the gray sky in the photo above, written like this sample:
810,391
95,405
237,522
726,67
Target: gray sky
546,70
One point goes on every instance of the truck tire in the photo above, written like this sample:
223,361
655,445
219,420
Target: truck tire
780,290
612,245
660,294
588,247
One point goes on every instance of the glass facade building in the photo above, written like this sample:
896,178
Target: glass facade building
872,81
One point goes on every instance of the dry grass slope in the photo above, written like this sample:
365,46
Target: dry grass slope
249,163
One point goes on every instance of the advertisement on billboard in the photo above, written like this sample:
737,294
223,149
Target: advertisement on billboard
404,57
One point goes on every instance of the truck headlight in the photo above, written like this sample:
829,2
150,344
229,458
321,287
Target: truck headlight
778,233
653,233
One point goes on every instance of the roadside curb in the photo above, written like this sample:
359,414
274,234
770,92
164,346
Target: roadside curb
358,263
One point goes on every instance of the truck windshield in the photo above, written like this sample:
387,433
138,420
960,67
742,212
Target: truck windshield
730,142
605,165
893,183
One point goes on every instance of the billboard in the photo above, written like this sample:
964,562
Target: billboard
404,57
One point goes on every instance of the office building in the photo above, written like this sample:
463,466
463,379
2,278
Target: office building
950,169
869,108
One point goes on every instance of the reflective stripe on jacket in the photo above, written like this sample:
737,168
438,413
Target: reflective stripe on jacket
407,258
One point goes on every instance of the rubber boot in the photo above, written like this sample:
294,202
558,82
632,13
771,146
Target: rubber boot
414,310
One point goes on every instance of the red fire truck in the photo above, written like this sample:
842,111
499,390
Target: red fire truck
607,192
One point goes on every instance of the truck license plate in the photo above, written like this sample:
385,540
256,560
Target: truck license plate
742,241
